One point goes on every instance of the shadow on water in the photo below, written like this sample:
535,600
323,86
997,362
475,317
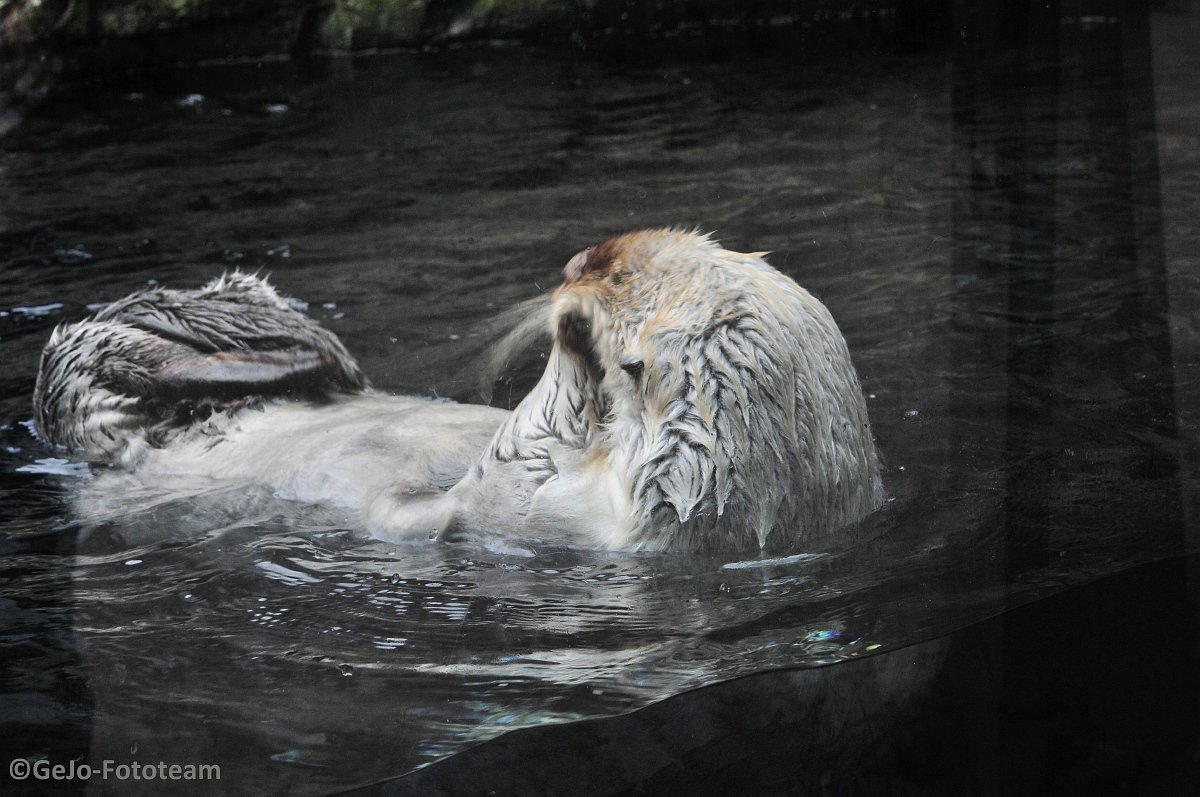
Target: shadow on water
1050,698
1003,230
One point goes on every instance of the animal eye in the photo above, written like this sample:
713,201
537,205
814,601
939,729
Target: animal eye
632,366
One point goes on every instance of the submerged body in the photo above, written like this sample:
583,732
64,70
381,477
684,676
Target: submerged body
368,454
693,399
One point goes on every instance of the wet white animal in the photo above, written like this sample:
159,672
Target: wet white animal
693,399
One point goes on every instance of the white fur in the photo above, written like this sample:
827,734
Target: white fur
379,457
746,429
694,399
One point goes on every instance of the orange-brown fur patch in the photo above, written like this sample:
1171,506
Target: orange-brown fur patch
595,263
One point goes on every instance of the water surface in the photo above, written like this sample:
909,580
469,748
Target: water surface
991,243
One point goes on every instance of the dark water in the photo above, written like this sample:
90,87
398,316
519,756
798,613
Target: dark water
1007,239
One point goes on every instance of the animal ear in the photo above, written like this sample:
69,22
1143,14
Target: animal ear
632,365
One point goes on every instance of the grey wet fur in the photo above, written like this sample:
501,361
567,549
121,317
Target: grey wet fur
693,399
155,362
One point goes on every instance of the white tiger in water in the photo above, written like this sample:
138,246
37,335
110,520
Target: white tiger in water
694,399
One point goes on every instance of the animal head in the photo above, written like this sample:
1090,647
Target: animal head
694,398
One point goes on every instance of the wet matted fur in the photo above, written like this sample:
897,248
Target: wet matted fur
694,398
